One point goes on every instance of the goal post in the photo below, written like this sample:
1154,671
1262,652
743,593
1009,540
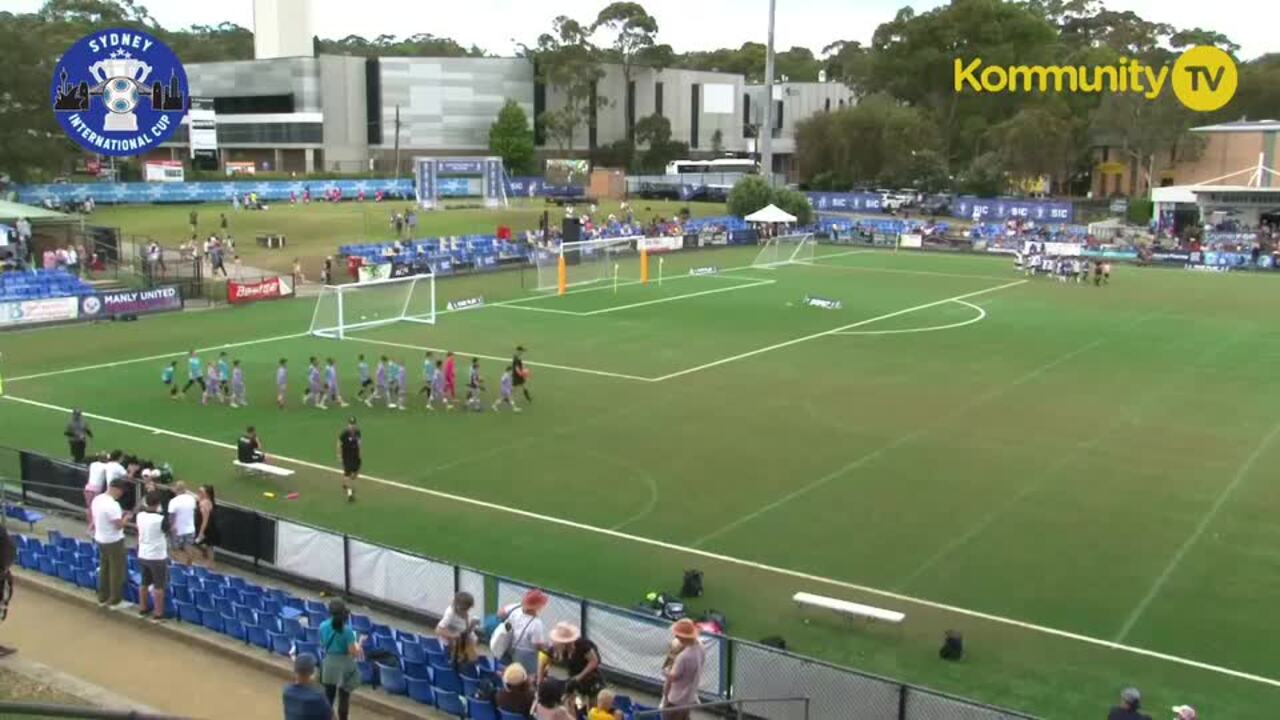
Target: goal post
785,250
341,309
588,261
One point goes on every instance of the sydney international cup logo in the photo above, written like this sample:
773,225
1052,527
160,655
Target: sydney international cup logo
119,92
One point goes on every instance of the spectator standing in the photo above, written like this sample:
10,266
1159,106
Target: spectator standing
680,688
207,535
182,522
23,227
108,533
457,629
222,224
516,695
153,555
95,485
1130,701
7,553
73,260
528,636
302,699
338,672
78,434
194,221
579,656
551,702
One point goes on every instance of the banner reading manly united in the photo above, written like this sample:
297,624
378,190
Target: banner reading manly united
119,92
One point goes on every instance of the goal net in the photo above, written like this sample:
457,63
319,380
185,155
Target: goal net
589,261
340,309
785,250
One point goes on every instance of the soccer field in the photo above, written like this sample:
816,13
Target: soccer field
1080,479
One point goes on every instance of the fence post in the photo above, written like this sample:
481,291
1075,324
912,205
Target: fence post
346,564
902,702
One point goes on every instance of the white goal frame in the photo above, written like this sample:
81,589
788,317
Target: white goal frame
548,262
768,257
339,331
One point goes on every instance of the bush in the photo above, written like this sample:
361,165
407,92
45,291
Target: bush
794,202
752,193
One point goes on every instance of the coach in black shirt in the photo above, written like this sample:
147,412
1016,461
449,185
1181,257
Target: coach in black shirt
249,447
349,454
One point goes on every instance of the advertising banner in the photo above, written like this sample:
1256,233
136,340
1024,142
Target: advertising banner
401,269
911,240
466,303
268,289
660,244
376,271
31,312
131,302
824,303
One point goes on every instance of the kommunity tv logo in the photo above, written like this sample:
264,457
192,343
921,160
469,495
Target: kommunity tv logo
1203,78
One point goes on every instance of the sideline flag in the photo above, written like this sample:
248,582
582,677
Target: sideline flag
562,276
644,266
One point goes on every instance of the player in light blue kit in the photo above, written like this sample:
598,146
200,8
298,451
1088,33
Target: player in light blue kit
437,389
332,393
168,377
237,385
282,382
475,385
212,385
224,374
381,384
366,382
402,385
504,392
314,394
195,374
428,375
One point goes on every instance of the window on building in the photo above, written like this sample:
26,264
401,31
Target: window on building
253,104
657,98
539,107
593,116
373,100
777,115
695,93
631,109
826,106
746,109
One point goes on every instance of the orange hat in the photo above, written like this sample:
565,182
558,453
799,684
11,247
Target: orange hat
685,629
534,600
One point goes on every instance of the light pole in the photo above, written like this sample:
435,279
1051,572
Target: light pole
766,125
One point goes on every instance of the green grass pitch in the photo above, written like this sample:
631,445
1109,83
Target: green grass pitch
1080,479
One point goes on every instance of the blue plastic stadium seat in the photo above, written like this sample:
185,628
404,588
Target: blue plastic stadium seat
481,710
368,673
212,620
303,646
416,670
246,615
281,643
443,676
504,715
188,612
420,690
256,635
449,703
391,678
233,628
385,642
413,652
361,624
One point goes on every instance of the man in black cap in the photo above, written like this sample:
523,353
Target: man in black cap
349,454
1130,701
303,699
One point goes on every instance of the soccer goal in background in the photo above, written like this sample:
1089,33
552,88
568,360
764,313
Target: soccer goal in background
589,261
785,250
340,309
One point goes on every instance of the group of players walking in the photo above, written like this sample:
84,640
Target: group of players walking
1064,268
386,383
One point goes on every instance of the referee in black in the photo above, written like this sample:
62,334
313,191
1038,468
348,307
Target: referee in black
349,454
518,373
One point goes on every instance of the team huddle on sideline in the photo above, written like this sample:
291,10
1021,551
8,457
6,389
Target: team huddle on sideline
1064,268
386,383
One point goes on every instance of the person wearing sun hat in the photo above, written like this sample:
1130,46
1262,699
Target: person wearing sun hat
1130,701
578,656
516,695
528,635
680,688
1184,712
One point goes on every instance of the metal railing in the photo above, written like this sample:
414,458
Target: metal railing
728,708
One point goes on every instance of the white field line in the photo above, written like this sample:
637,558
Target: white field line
568,368
150,358
824,333
1241,473
643,303
727,559
982,314
605,284
858,268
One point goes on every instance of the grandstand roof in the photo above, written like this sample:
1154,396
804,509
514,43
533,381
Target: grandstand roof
13,211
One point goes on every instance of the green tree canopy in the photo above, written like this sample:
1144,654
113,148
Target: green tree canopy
511,138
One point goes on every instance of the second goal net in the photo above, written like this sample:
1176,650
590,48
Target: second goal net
341,309
589,261
785,250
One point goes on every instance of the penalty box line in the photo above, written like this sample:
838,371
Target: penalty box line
695,552
642,303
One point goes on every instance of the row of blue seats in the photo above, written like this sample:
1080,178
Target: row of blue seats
280,623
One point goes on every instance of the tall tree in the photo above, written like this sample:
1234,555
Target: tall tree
634,31
511,138
567,61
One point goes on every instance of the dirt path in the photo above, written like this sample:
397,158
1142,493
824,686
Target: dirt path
158,669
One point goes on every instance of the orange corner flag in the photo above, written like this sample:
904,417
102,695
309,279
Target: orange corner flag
644,265
562,277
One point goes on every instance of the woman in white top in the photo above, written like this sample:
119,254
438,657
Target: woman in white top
528,636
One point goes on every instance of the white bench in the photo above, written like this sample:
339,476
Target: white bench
848,609
263,468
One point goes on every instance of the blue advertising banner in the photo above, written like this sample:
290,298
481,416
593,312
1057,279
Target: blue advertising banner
130,302
988,209
845,202
460,167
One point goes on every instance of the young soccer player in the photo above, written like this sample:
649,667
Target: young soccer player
381,386
282,382
520,376
366,382
314,394
195,374
450,377
437,389
167,376
474,386
393,386
504,391
237,385
402,385
428,374
224,373
213,387
332,393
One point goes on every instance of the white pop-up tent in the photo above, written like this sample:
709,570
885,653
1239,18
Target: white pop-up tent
771,214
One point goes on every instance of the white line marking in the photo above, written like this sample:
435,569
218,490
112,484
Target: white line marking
727,559
535,308
978,318
858,268
1176,560
424,348
899,442
824,333
846,253
150,358
673,298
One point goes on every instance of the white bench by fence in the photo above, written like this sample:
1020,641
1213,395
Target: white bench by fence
848,609
263,468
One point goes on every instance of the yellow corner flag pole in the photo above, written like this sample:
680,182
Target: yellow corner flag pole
660,259
562,276
644,265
